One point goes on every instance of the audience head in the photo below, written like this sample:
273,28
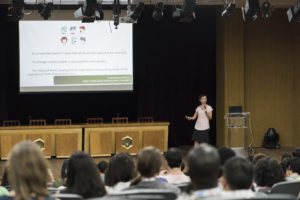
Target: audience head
102,166
174,157
285,155
120,168
204,166
285,164
28,171
149,162
257,157
225,153
295,165
238,174
83,177
296,152
267,172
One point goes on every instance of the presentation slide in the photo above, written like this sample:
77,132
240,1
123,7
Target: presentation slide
63,56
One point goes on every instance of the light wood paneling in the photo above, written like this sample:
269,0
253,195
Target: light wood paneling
268,78
67,143
230,75
46,138
101,142
7,142
154,138
135,136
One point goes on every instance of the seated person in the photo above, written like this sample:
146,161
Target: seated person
27,173
83,177
204,170
102,166
173,174
293,170
120,171
149,162
237,179
267,172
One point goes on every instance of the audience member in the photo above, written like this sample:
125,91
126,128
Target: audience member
174,174
149,162
238,178
267,172
285,155
102,166
61,182
225,153
257,157
120,171
293,170
285,164
28,173
83,177
204,170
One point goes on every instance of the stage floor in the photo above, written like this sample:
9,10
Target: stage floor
55,163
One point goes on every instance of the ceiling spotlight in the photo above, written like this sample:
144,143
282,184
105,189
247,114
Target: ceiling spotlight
250,11
229,8
136,13
266,10
177,13
188,8
99,13
16,10
116,13
294,11
158,12
45,10
88,11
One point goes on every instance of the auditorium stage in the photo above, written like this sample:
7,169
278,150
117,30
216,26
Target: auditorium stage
55,163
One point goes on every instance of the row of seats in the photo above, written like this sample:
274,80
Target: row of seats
96,120
283,190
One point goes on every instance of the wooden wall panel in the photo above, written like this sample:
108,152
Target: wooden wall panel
269,77
270,85
230,74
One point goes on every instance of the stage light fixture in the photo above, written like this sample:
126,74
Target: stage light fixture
294,12
16,10
177,13
158,11
116,13
266,10
137,11
188,8
45,10
250,10
229,8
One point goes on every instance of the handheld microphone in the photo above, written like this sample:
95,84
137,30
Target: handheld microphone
204,106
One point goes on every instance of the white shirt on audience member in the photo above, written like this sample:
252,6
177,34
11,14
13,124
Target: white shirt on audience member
117,188
176,179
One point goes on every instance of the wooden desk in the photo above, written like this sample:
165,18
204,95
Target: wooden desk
99,139
59,141
107,139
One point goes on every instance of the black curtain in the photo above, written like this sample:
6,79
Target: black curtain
173,64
